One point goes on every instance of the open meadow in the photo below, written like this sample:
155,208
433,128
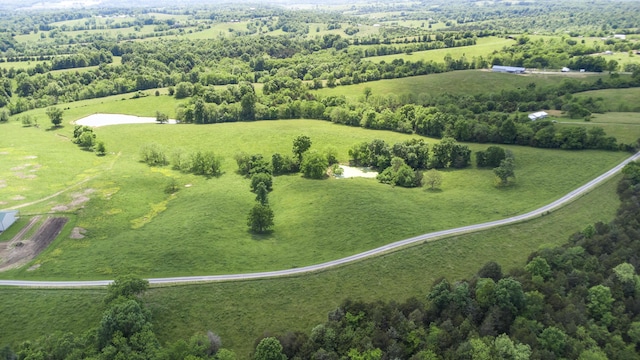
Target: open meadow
133,226
558,285
623,126
242,311
464,82
615,100
484,47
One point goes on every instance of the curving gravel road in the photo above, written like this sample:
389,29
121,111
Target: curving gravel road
377,251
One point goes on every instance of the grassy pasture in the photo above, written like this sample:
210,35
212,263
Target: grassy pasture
134,227
483,47
241,311
615,99
117,60
218,29
474,81
364,30
19,65
623,126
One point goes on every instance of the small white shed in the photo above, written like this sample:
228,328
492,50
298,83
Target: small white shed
538,115
7,218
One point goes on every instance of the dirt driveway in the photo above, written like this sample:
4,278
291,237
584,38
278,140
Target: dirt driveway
21,249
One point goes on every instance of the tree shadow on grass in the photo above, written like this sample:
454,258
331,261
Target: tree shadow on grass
434,190
266,235
217,175
54,128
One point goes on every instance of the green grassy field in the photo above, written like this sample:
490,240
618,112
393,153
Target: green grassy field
474,81
623,126
241,311
134,227
19,65
615,99
485,46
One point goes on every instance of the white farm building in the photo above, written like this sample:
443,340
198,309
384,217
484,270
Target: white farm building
508,69
538,115
7,218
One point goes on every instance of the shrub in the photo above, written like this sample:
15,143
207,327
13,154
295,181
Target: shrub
153,155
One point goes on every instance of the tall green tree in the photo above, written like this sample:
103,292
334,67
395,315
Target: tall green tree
269,348
433,179
262,194
126,286
55,115
248,106
314,165
161,117
260,218
301,144
505,171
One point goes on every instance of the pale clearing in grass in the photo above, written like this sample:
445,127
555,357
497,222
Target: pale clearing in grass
351,172
97,120
18,197
31,157
78,233
78,199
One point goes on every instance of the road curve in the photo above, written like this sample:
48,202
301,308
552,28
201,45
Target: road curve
377,251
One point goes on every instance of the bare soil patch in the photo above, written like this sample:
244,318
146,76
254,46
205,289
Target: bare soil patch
77,200
31,157
18,197
19,250
78,233
352,171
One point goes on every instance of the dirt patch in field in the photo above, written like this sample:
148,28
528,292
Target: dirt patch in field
4,153
352,171
21,250
31,157
3,184
20,171
78,233
77,200
18,198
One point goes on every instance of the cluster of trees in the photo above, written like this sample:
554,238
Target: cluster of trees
579,300
87,58
312,164
402,163
556,53
84,137
125,331
502,161
258,169
486,117
205,163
